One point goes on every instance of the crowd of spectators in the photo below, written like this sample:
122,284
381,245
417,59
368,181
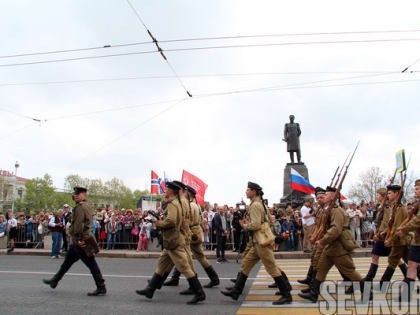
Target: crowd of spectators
134,229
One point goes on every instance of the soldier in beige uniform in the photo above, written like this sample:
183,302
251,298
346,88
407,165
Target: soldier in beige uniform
413,225
334,252
197,238
399,244
186,231
257,215
81,235
174,253
316,252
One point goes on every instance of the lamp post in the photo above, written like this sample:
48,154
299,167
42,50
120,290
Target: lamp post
14,188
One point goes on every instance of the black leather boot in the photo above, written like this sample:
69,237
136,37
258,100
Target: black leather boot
285,288
197,289
308,289
371,273
100,285
174,279
407,290
289,287
151,288
308,277
214,278
238,288
313,294
404,269
234,280
273,285
165,275
387,276
52,282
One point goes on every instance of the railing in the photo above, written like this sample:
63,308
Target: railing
29,236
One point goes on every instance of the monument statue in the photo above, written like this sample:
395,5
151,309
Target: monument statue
291,136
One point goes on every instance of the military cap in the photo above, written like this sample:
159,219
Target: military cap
180,184
191,190
319,190
417,182
393,187
78,190
254,186
173,185
381,191
331,189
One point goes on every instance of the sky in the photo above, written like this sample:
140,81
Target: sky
340,93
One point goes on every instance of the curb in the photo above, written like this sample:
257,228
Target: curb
156,254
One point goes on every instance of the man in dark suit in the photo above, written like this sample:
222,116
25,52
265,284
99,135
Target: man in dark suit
221,229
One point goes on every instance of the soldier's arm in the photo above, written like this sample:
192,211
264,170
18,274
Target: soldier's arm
336,228
385,220
254,222
399,219
170,219
413,224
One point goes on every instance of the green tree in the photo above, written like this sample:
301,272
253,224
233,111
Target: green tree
40,194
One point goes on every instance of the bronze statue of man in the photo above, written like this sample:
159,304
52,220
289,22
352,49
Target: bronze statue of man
291,136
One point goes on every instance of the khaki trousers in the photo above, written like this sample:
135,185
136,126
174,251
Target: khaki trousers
397,252
266,255
343,263
177,257
198,253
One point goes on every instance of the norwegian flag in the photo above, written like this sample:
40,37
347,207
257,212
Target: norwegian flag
157,185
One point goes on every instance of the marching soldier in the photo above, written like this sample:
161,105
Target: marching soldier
196,228
413,225
257,215
174,252
83,244
316,252
186,231
334,251
379,248
399,244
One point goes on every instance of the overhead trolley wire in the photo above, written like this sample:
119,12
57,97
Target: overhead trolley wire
107,46
159,49
330,42
204,75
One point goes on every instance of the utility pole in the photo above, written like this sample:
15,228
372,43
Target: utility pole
14,188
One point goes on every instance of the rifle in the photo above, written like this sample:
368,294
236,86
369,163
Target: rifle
336,196
410,216
394,208
335,174
339,174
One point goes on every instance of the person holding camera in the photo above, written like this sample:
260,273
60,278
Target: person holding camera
308,221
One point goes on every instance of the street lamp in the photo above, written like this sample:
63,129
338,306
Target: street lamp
14,188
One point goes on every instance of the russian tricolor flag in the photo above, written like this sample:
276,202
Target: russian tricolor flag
299,183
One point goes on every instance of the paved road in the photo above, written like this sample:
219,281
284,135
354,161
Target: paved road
22,292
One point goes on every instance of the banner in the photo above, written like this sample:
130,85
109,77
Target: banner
196,183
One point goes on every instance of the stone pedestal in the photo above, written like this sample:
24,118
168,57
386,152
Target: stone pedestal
293,196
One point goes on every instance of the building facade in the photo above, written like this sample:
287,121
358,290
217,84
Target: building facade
11,188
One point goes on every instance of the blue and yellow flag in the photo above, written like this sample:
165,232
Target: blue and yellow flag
400,158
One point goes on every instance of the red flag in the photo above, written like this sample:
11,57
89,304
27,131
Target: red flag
154,190
342,197
196,183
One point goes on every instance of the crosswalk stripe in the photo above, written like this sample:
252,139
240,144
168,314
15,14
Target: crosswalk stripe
260,297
